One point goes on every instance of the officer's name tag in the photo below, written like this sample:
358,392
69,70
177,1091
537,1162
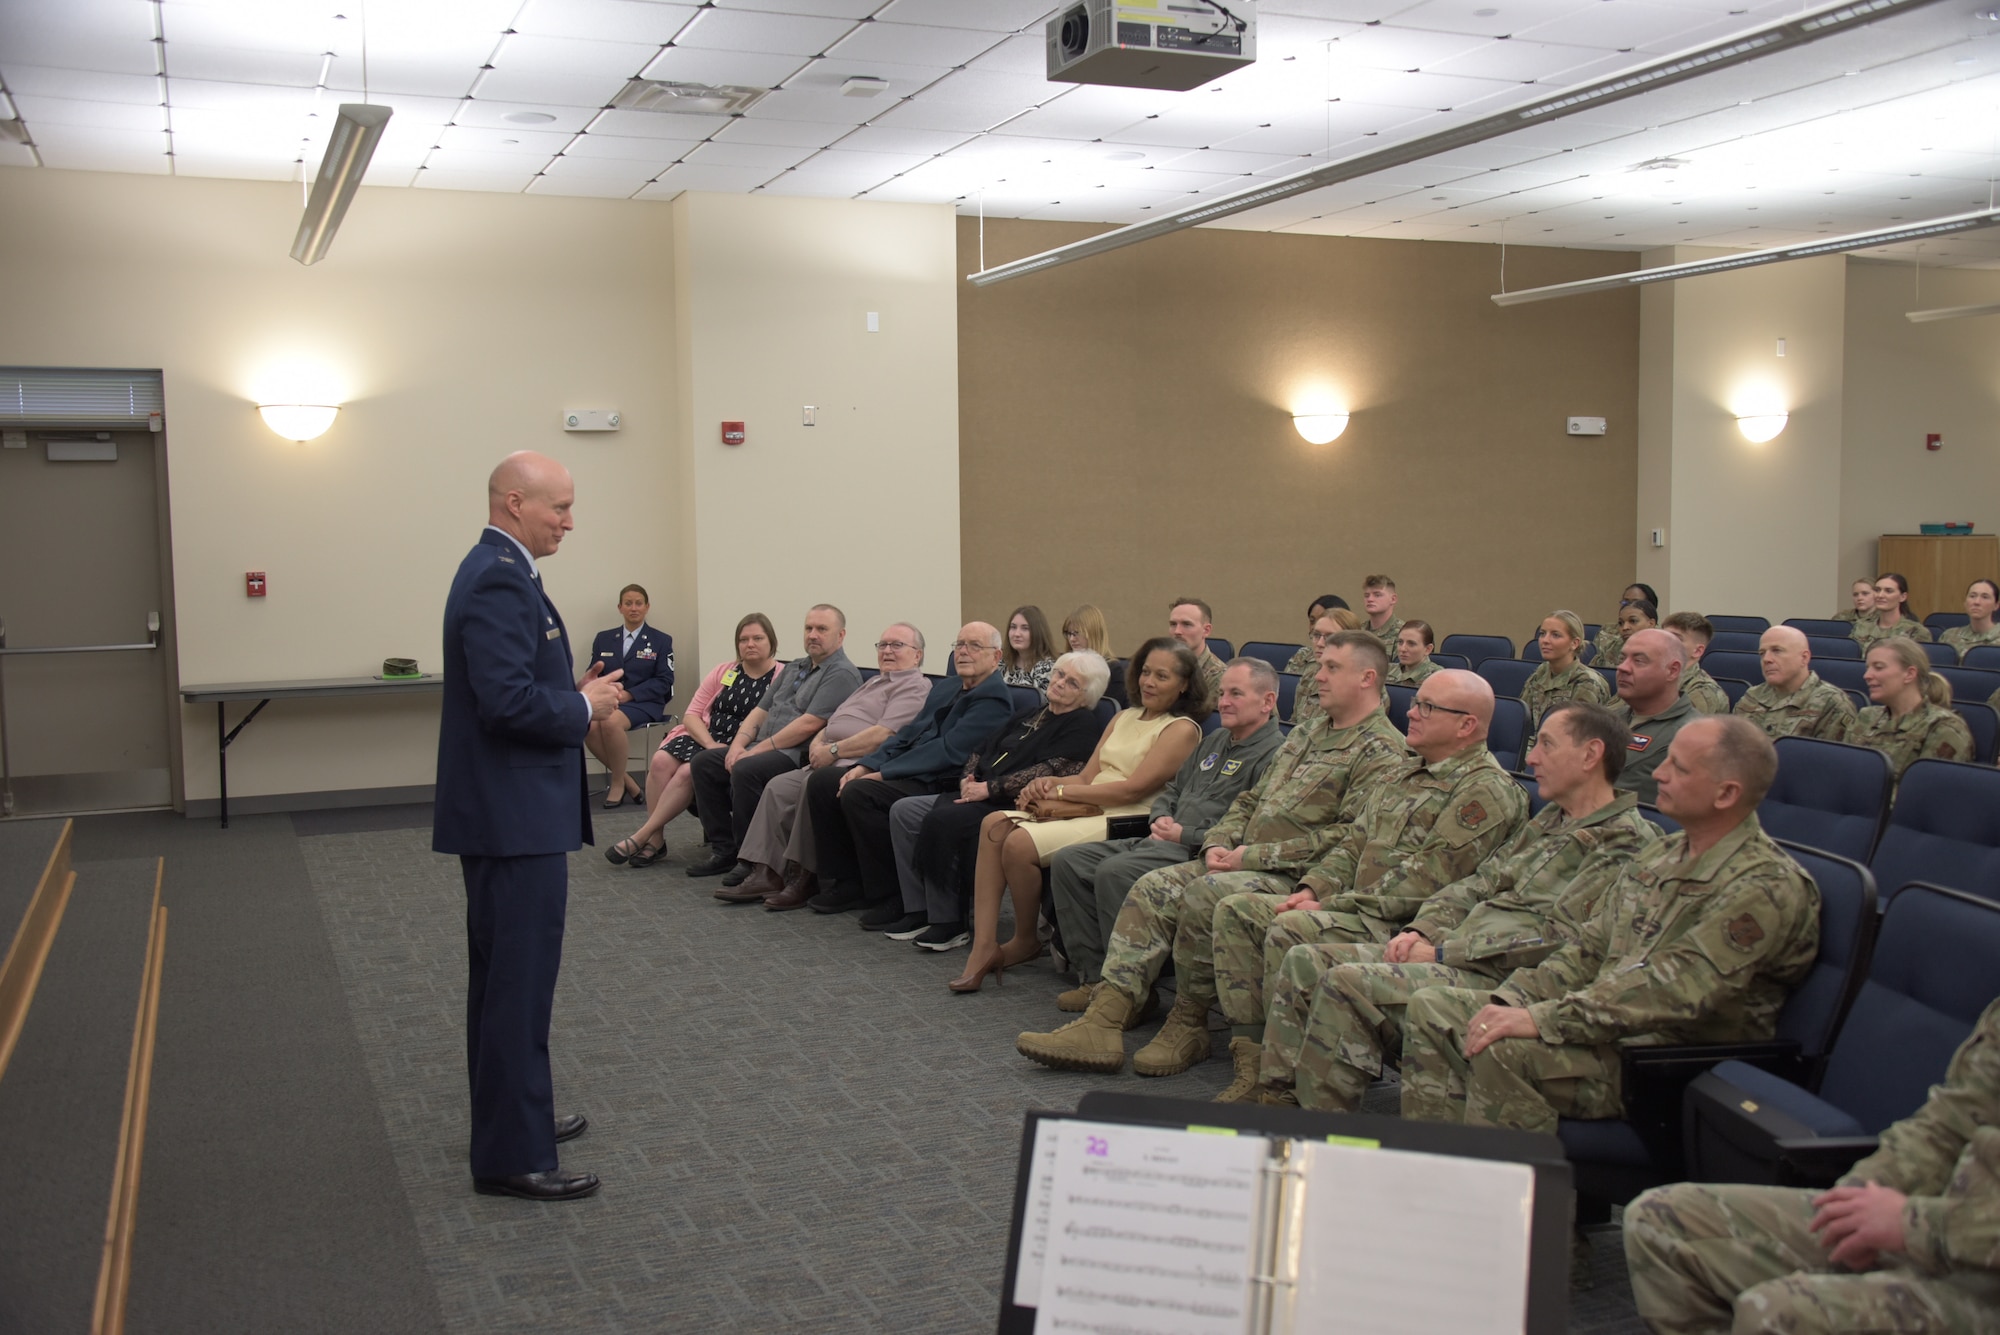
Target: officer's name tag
552,634
607,654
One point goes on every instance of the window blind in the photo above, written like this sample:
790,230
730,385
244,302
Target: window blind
54,396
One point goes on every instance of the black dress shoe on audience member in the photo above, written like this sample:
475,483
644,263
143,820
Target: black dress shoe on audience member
554,1185
836,898
713,865
906,928
942,936
570,1127
879,917
738,874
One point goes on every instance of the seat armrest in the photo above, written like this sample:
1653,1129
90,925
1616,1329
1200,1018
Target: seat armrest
1656,1077
1821,1161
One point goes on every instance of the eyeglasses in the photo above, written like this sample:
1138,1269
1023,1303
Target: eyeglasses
881,645
1426,708
972,646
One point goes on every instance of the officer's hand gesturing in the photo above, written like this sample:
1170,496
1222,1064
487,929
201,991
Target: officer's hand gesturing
602,693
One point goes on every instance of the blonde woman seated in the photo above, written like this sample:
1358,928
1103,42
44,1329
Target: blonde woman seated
1862,591
1030,655
1911,718
1892,613
1141,750
1980,598
1414,643
1084,629
1330,622
1563,675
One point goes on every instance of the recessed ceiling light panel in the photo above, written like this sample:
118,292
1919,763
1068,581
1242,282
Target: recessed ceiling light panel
686,98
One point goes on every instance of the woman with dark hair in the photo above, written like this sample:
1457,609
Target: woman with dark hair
1892,613
723,700
1633,617
1141,750
1411,662
1912,717
1030,654
1306,661
646,657
1980,598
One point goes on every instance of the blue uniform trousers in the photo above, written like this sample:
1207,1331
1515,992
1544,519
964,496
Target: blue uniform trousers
514,909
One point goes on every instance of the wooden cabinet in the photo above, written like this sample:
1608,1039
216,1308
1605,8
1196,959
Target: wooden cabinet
1939,568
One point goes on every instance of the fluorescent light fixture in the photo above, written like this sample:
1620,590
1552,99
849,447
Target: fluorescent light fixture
299,421
1760,427
1784,35
356,131
1952,312
1320,428
1833,245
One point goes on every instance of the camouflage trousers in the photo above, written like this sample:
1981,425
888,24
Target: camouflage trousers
1165,909
1252,939
1737,1258
1517,1082
1336,1011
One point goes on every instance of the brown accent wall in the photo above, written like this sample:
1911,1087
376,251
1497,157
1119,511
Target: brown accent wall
1125,431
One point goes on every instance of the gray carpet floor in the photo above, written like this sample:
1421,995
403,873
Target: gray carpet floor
798,1127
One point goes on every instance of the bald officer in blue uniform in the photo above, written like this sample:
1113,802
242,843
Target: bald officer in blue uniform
511,803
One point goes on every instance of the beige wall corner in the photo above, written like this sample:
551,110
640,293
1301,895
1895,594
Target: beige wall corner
1656,427
861,509
454,327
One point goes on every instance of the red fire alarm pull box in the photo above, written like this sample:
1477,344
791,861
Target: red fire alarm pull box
732,433
1933,441
253,583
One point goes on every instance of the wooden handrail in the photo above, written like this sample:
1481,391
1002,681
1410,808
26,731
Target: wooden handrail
114,1275
21,970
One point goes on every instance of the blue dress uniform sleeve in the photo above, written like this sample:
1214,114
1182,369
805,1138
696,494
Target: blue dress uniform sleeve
497,628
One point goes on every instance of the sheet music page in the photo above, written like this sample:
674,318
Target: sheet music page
1035,1223
1400,1243
1152,1231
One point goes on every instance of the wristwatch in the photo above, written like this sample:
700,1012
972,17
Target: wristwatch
834,750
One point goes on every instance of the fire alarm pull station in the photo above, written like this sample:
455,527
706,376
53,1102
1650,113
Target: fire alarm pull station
1933,441
732,433
253,583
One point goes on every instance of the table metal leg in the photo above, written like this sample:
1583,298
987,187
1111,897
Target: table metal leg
222,741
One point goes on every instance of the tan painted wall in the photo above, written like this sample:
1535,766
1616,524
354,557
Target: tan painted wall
1904,380
455,327
1126,431
859,510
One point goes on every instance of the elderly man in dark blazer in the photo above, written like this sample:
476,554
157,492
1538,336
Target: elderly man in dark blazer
511,803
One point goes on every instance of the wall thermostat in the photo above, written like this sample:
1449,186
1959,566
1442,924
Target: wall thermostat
590,419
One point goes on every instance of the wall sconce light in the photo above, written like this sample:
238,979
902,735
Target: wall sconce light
1320,428
1760,427
299,421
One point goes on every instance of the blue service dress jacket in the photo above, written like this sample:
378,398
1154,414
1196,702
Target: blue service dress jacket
510,780
649,668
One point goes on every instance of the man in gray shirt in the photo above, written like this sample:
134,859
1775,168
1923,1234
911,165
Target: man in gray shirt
772,740
1091,880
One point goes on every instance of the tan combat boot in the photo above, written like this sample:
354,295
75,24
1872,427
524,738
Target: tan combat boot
1248,1054
1181,1042
1094,1041
1077,998
1277,1096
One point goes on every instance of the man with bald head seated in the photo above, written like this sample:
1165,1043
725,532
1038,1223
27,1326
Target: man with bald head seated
1430,824
1650,703
1792,701
511,804
1701,940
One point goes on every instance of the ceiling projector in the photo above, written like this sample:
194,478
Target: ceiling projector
1167,44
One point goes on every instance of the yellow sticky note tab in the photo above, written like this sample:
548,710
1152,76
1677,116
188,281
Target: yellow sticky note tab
1213,1130
1355,1142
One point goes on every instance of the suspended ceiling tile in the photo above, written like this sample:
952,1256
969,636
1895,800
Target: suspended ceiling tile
85,85
1525,62
687,176
42,111
789,104
1625,25
902,190
16,155
231,166
1391,47
278,137
1226,162
107,36
616,148
83,146
478,162
1487,18
770,158
606,174
912,44
514,140
996,16
870,167
655,124
505,183
264,99
1099,206
830,9
563,70
605,20
830,75
1091,113
1342,11
496,115
414,76
801,134
686,64
766,34
234,64
891,139
581,187
1026,54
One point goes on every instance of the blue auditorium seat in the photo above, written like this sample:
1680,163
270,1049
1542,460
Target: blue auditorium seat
1277,655
1476,649
1829,796
1985,725
1941,655
1983,656
1939,622
1222,648
1743,667
1025,697
1815,626
1288,694
1399,706
1842,672
1459,661
1970,683
1833,646
1944,829
1507,739
1754,625
1734,642
1507,675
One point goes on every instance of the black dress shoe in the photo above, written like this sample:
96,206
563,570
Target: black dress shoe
740,873
836,898
570,1127
713,865
881,917
554,1185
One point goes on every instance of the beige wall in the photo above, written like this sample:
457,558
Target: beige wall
1904,380
455,327
1751,529
1126,431
860,510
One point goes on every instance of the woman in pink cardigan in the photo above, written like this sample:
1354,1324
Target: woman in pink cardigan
723,700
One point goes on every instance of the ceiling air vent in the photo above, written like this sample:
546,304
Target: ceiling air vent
691,99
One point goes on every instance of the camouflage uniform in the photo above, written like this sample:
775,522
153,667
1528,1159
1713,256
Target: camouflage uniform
1426,827
1850,616
1704,1258
1817,709
1926,732
1407,676
1282,824
1701,951
1335,1010
1993,702
1547,687
1700,690
1609,644
1961,638
1305,662
1390,630
1090,881
1867,632
1651,736
1208,670
1305,704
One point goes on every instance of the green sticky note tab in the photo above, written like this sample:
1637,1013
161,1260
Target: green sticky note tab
1213,1130
1355,1142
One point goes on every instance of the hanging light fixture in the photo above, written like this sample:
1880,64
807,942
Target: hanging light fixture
356,131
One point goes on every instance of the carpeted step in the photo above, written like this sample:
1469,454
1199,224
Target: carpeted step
62,1100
